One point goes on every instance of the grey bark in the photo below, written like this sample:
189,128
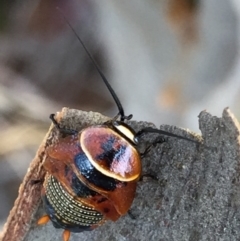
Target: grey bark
196,196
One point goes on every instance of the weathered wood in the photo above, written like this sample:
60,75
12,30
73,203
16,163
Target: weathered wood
197,196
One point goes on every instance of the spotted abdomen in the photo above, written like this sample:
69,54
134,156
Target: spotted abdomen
66,212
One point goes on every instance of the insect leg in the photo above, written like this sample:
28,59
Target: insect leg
62,130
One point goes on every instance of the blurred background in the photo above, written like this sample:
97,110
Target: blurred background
167,61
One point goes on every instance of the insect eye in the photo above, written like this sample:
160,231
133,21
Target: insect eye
136,140
115,123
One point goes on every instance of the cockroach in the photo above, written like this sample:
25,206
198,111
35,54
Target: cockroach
92,174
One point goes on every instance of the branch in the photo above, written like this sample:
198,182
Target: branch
196,196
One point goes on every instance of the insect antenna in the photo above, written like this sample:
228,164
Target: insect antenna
114,95
161,132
